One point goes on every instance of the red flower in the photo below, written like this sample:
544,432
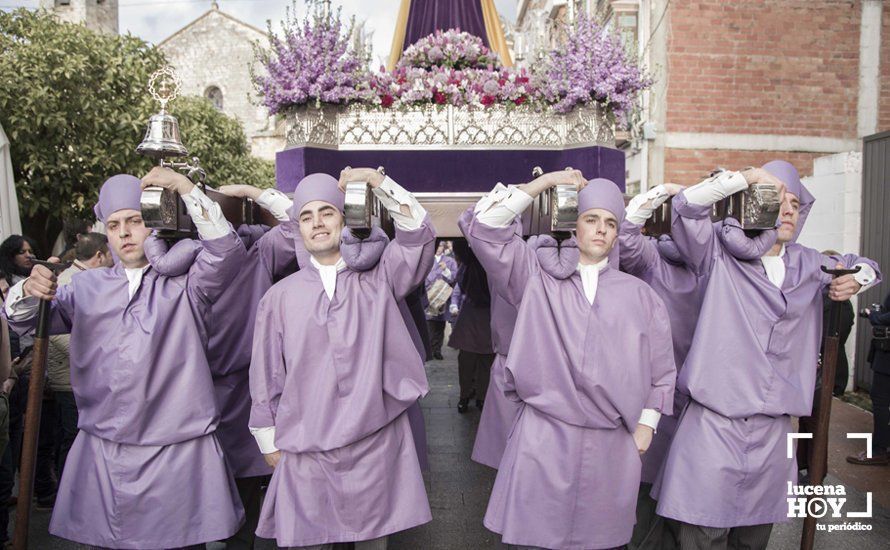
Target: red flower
519,100
487,100
386,100
439,98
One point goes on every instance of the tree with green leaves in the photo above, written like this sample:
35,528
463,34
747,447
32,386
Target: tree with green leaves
75,103
220,144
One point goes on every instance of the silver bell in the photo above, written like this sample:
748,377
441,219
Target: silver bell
162,138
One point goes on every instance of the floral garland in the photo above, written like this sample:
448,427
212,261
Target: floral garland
313,63
452,49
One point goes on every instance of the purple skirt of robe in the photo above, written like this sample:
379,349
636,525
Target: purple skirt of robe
555,500
726,472
497,419
365,490
654,456
233,398
115,495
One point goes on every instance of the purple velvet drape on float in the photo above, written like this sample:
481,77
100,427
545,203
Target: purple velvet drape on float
428,16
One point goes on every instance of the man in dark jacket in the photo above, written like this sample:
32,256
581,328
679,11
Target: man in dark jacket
879,357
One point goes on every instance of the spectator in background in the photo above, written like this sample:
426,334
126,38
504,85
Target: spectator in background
439,284
91,251
5,370
17,254
72,230
879,357
471,328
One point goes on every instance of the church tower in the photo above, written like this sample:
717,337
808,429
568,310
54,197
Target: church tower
97,15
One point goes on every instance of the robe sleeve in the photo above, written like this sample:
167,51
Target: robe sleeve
408,258
506,257
267,367
457,297
693,233
60,316
276,252
215,267
661,359
173,261
637,253
849,261
250,234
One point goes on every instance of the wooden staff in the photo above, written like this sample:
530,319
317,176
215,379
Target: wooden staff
32,419
818,466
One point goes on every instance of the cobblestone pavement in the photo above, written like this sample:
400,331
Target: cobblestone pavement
458,488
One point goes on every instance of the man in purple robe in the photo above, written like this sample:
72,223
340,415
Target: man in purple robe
146,469
591,361
751,365
658,263
333,372
500,413
230,325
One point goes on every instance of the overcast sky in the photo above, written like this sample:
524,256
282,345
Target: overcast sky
155,20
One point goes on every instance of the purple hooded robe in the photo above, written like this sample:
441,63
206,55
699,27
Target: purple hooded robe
270,257
500,413
146,461
659,264
571,470
751,366
336,382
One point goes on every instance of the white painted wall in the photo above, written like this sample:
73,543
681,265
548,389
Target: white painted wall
836,218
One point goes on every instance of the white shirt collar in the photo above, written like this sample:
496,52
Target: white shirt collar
599,266
134,277
328,275
774,266
590,274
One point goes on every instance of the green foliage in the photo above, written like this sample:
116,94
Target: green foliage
75,104
220,144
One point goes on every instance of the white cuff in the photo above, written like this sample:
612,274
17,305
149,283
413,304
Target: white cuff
716,188
446,272
865,277
650,417
643,205
502,206
207,215
496,195
275,202
392,196
265,439
18,306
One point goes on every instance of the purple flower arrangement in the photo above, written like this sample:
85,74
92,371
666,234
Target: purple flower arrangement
450,68
313,63
452,49
591,66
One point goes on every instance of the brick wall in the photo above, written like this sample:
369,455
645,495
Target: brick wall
687,166
785,67
884,101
